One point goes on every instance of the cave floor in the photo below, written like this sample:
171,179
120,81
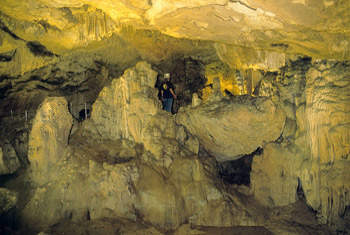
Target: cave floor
121,226
295,219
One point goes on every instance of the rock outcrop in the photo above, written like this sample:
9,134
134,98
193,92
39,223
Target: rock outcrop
313,154
48,138
8,200
9,162
234,127
146,170
133,160
327,117
284,27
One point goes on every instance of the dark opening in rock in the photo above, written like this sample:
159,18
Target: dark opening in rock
38,49
83,115
238,171
300,191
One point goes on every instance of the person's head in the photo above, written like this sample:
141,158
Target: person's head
167,76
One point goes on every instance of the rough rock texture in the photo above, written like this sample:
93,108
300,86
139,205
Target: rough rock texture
328,126
234,127
80,74
8,200
9,162
241,57
73,49
132,105
145,173
274,178
313,152
48,138
124,103
307,27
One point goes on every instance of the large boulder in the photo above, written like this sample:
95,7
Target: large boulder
231,128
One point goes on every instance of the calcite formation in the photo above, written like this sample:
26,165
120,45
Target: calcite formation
327,124
313,156
309,27
268,75
234,127
146,173
9,162
8,201
48,138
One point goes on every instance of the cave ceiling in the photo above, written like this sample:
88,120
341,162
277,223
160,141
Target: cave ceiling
62,47
315,28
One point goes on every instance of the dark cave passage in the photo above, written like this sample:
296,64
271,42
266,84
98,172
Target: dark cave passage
238,171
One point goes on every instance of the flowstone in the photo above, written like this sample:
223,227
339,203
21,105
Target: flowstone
129,160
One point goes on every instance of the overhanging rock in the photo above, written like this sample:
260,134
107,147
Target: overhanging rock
231,128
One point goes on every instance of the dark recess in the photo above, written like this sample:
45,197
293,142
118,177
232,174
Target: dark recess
238,171
38,49
7,30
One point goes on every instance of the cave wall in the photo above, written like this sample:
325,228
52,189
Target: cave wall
315,145
309,152
148,170
74,50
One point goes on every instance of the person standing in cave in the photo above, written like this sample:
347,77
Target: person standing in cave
167,93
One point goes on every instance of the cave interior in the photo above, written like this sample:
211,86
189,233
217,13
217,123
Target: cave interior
257,140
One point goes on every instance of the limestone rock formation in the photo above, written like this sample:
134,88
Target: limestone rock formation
146,173
311,28
274,178
8,200
312,156
48,138
125,101
249,74
9,162
328,127
234,127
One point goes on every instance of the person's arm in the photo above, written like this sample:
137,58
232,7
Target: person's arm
172,92
162,92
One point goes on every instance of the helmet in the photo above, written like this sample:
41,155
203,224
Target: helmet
167,75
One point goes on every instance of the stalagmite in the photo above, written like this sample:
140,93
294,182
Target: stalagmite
258,135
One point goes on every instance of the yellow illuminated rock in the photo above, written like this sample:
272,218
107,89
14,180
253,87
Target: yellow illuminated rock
316,158
260,127
130,160
48,139
232,128
290,27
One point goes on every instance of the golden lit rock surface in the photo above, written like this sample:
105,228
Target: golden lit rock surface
234,127
155,179
48,138
292,57
315,156
328,126
274,175
318,29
